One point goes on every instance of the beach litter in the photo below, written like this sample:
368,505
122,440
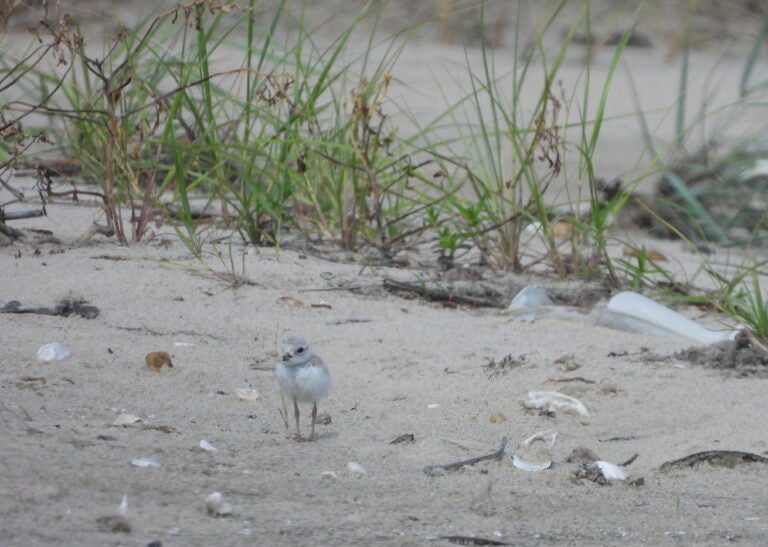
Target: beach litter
627,311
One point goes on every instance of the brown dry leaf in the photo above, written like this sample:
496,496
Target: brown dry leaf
650,254
291,301
562,230
157,359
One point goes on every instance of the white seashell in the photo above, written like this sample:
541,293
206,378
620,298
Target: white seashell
611,471
634,312
358,469
216,505
55,351
525,466
328,475
552,401
147,462
183,345
124,419
122,509
544,436
247,394
208,447
543,456
433,406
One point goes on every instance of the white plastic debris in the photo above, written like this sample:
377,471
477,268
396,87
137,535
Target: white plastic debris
527,303
208,447
147,462
554,401
636,313
216,506
356,468
55,351
627,310
531,296
247,394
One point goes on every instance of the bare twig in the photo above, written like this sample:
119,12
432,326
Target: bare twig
474,293
430,469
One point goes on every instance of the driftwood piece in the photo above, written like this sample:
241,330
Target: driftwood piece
12,233
473,293
64,308
723,458
16,215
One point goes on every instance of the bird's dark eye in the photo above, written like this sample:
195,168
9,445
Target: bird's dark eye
300,350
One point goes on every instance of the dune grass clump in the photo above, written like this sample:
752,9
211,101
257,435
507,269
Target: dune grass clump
223,119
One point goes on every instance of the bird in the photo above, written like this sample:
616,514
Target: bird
303,377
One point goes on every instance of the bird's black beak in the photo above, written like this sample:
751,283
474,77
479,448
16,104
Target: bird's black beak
287,356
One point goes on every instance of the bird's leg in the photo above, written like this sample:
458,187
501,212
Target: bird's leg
296,415
314,417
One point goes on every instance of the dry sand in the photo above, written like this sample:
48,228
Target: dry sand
411,367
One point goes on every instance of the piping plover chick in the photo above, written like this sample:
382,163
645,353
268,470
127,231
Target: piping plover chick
303,377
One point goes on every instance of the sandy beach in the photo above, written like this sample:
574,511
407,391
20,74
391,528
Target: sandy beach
80,434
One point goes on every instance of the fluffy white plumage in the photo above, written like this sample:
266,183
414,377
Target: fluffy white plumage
302,376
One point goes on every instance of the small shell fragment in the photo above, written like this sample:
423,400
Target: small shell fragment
537,458
208,447
433,406
553,401
611,471
147,462
602,472
526,466
55,351
124,420
405,438
157,359
328,475
122,509
247,394
291,301
216,506
497,418
356,468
